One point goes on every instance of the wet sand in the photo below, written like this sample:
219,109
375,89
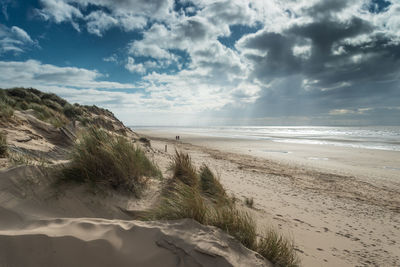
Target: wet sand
341,205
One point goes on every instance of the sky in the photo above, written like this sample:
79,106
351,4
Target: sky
196,63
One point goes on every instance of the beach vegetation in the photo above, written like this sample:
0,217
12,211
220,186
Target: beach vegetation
6,111
72,111
3,145
183,169
235,222
102,159
249,201
211,186
179,201
19,158
145,141
51,108
277,248
44,113
192,195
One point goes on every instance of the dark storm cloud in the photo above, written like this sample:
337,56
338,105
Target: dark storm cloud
350,64
326,8
279,59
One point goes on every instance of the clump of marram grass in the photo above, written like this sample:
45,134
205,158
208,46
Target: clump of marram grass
47,114
189,195
182,201
249,201
102,159
237,223
277,248
6,111
183,169
3,145
210,185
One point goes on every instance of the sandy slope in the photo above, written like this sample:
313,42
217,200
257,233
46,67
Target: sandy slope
340,213
44,225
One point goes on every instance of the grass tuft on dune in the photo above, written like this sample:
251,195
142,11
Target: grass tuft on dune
210,185
277,248
103,159
182,201
237,223
3,145
183,169
202,197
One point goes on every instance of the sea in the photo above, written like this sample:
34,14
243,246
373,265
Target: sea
369,137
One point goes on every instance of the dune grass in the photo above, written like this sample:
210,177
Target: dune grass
51,108
183,169
277,248
182,201
210,185
237,223
47,114
249,201
102,159
3,145
193,195
6,111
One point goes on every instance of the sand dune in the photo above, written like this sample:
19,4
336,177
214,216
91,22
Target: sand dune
43,226
103,242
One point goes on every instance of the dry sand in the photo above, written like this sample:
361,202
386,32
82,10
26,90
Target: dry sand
73,226
341,205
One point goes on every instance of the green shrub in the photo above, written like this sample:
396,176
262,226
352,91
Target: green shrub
183,169
278,249
105,160
3,145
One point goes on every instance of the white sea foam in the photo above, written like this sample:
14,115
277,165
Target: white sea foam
375,137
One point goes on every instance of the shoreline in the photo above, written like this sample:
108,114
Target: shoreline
337,218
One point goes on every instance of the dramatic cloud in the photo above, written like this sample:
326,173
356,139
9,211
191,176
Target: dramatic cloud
319,61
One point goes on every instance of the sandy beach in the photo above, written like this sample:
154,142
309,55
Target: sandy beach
341,205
